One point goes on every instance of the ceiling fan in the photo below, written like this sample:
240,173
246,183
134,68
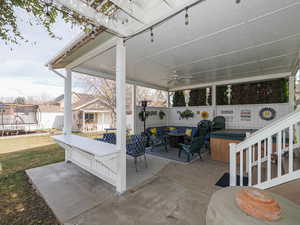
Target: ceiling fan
175,78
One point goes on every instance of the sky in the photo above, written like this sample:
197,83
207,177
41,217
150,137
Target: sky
22,69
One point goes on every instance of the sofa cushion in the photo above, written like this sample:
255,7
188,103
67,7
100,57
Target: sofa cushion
188,132
153,131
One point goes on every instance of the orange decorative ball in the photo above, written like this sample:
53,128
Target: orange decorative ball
258,203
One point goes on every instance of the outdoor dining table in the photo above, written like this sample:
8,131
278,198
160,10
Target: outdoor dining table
175,139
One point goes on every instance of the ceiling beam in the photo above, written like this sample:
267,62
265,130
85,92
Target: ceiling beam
170,3
234,81
131,9
163,16
111,43
101,4
90,13
112,76
91,2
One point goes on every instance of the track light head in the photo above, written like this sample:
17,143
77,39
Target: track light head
186,17
151,34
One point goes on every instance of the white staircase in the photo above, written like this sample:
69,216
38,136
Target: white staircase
268,156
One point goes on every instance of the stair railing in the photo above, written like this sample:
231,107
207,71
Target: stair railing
266,147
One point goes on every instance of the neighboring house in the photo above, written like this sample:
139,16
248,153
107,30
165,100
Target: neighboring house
89,113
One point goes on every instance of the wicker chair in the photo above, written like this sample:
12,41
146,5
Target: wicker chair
136,147
108,138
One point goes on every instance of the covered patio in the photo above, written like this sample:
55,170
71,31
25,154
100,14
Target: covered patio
170,196
190,49
242,56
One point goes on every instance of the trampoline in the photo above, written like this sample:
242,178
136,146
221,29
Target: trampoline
18,119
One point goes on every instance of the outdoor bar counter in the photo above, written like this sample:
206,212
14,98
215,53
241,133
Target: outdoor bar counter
220,140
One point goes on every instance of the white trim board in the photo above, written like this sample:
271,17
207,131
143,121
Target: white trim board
235,81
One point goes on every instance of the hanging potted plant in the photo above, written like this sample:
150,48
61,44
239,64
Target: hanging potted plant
186,114
161,114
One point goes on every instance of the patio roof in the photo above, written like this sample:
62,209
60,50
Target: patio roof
223,41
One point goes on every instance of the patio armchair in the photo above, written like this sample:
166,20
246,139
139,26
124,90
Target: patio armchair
196,147
203,127
218,123
136,147
108,138
203,124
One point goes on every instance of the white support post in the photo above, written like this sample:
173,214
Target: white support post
259,162
297,133
291,149
292,92
83,121
134,125
121,114
214,99
68,103
279,155
247,155
103,120
269,165
232,148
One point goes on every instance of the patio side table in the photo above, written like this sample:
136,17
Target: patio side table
176,139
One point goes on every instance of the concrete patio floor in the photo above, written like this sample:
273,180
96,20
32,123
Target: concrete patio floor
175,193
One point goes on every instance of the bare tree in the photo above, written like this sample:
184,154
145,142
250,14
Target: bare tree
105,90
157,98
39,99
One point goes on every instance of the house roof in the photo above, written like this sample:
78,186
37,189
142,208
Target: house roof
80,101
50,108
83,99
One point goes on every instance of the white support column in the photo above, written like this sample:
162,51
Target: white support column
121,114
103,120
292,92
214,99
68,103
134,116
83,121
232,166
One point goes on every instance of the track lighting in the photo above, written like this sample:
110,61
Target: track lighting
151,34
186,17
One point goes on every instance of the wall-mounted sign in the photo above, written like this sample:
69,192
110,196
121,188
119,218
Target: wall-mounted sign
228,114
267,113
245,115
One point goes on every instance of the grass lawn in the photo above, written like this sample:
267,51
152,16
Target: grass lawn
24,143
19,204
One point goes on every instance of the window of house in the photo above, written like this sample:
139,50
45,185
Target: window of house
89,117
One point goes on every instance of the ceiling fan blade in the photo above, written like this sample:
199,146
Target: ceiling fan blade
172,82
186,77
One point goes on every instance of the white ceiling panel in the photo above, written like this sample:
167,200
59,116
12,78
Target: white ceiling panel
223,40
